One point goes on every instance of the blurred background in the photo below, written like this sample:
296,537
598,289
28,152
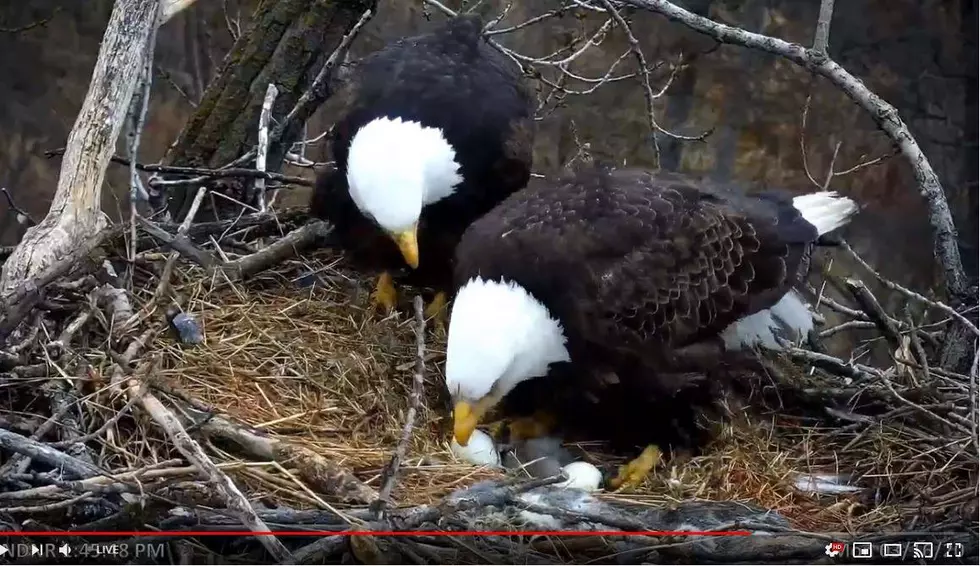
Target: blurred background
920,55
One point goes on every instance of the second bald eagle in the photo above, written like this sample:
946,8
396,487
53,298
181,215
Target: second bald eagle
637,281
437,131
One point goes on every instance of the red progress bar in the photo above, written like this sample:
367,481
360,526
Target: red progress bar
371,533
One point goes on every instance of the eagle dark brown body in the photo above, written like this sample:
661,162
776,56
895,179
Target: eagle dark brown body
453,80
644,272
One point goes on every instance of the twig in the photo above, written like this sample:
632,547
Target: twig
203,174
945,241
262,152
171,425
869,304
137,116
649,95
909,293
315,470
390,475
22,216
164,285
179,243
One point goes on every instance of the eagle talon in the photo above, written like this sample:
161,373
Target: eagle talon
436,311
632,474
384,297
535,426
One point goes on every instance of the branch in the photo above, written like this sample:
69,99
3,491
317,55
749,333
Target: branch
41,453
821,38
202,173
179,243
237,502
262,152
390,474
286,247
22,216
75,213
885,115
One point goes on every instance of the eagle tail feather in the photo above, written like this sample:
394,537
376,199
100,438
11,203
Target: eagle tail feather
825,210
768,328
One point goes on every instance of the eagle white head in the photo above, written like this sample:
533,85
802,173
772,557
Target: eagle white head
499,336
394,169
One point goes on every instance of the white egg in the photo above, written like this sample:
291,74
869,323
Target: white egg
581,475
480,450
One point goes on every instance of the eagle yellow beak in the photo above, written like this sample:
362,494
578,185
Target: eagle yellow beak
408,244
465,419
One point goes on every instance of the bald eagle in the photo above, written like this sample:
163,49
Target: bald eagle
437,130
616,285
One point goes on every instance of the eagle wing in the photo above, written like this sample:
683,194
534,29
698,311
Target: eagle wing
640,264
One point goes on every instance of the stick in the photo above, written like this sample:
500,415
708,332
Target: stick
280,250
910,293
869,304
315,470
237,502
202,174
168,268
390,475
137,116
263,149
42,453
179,243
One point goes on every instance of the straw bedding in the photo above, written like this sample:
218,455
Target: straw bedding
311,363
292,355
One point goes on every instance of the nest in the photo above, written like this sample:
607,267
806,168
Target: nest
293,409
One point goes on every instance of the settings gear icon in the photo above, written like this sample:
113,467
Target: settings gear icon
834,549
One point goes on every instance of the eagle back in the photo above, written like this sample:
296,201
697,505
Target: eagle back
637,263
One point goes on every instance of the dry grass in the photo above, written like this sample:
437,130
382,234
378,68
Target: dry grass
309,364
300,396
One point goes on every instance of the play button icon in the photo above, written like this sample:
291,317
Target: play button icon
4,550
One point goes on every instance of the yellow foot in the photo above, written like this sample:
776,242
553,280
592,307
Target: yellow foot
632,474
436,311
537,425
384,297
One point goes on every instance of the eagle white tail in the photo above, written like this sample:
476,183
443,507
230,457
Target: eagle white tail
826,210
790,319
787,319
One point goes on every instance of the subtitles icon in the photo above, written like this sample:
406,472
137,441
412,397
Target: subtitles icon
922,550
861,550
891,550
834,549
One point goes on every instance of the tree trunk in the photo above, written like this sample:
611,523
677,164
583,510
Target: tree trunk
286,43
75,214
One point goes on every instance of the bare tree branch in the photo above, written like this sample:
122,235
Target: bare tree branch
821,38
945,240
